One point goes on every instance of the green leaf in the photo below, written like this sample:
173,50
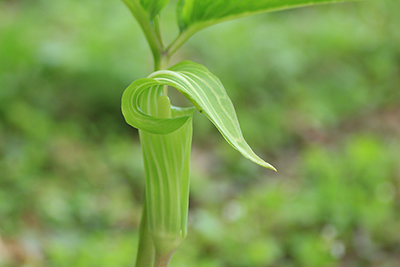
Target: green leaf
204,90
203,13
153,7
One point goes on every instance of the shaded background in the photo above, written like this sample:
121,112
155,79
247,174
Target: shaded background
317,92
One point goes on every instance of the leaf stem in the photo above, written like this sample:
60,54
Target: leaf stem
182,38
150,32
157,28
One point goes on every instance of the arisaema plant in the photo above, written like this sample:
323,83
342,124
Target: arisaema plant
165,130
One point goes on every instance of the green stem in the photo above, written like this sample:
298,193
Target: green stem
163,260
148,255
144,20
183,37
157,27
146,252
162,64
162,61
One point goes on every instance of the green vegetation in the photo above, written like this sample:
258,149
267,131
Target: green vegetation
316,91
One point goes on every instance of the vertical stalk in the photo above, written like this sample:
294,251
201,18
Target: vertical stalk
146,253
152,252
163,260
162,61
162,64
152,34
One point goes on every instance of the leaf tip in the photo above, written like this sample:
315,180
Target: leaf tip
268,166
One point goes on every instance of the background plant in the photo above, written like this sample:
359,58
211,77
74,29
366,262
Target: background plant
330,94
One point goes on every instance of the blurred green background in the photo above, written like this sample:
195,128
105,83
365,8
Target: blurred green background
317,91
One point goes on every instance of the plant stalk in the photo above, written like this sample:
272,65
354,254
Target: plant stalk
163,260
152,36
146,253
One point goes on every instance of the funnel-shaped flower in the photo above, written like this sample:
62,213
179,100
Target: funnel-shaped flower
166,135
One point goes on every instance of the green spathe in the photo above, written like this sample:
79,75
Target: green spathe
166,137
166,165
207,94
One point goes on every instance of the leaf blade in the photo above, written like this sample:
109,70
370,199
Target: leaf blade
153,7
203,13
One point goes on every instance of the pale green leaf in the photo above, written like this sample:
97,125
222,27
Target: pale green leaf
153,7
203,13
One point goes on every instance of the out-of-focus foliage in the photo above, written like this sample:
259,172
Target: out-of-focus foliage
317,91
